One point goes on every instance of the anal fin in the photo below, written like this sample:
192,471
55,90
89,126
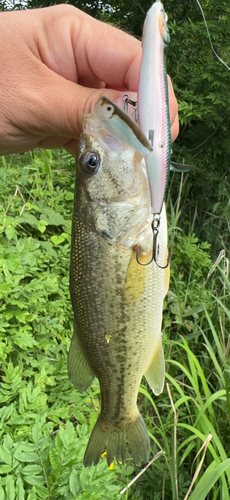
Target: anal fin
155,374
80,372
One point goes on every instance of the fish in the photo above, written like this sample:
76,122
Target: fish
117,304
153,102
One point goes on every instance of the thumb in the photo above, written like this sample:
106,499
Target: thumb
58,109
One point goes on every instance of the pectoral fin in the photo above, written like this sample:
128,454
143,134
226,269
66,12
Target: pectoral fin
155,374
80,373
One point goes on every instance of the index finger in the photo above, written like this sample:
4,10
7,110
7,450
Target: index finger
113,55
87,51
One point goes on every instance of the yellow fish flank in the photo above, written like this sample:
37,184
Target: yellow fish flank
117,303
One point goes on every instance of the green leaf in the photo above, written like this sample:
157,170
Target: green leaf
4,162
26,457
11,233
30,206
84,478
59,444
53,218
20,492
32,469
5,469
69,195
32,495
4,288
2,493
42,492
205,485
36,433
54,459
29,219
80,416
70,431
41,226
5,455
57,239
35,480
10,489
74,484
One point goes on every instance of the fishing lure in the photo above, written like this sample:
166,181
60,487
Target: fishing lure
153,111
152,102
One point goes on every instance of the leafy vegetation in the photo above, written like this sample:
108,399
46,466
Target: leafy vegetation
44,422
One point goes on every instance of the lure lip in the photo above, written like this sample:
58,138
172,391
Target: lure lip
121,125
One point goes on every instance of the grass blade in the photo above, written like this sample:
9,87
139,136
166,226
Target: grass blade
206,483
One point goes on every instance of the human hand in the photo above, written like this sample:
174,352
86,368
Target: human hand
56,63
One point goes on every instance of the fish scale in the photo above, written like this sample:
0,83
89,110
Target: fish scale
117,303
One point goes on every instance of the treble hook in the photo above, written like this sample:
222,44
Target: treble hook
155,225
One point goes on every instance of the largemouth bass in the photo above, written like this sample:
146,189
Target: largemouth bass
117,303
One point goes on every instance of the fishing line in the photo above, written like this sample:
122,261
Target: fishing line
209,37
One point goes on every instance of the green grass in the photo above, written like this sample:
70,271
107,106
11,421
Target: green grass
44,422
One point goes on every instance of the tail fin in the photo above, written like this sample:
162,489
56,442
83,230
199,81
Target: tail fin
114,439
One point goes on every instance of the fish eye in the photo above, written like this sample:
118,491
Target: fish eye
90,161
